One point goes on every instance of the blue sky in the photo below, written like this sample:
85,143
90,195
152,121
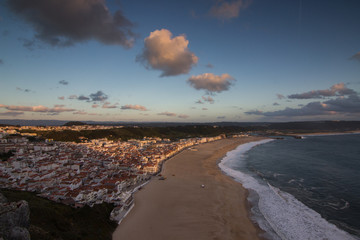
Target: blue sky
188,61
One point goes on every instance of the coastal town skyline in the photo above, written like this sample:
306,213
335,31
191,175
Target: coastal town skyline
188,61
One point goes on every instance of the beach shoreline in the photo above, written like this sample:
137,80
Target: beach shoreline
180,208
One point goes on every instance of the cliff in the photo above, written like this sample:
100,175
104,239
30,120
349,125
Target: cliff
14,219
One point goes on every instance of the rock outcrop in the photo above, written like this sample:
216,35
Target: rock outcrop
14,219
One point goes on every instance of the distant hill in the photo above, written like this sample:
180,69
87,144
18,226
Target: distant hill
74,123
306,126
32,122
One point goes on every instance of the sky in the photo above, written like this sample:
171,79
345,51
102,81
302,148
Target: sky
180,61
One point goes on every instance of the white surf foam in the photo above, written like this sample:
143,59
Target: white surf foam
288,217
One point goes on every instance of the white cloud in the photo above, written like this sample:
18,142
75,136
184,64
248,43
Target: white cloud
166,53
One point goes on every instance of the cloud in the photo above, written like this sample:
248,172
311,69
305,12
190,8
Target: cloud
133,107
280,96
168,114
29,44
356,56
80,113
1,62
336,90
346,105
183,116
38,108
95,105
209,65
199,102
59,105
167,54
226,10
221,117
108,105
63,82
83,98
99,96
208,99
61,98
23,90
11,114
276,104
64,23
211,83
204,109
73,97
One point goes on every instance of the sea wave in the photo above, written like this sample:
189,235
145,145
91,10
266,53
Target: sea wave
279,213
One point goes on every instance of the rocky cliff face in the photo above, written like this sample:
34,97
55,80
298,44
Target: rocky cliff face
14,220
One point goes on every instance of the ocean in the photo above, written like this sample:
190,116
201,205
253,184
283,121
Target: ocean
301,188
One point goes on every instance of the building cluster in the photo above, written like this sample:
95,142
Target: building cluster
20,129
88,173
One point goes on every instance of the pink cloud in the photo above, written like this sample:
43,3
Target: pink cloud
134,107
208,99
80,112
183,116
168,114
227,10
169,54
38,108
211,82
11,114
107,105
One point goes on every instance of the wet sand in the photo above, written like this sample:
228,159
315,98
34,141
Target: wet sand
179,208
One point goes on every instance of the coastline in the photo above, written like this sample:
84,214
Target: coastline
179,208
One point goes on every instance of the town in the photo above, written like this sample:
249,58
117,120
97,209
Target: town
86,173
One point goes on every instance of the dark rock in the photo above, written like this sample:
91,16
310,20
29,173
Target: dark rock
14,219
19,233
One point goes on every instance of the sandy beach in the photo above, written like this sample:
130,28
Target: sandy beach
179,208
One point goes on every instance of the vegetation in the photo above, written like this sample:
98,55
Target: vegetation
127,133
175,132
6,156
74,123
50,220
